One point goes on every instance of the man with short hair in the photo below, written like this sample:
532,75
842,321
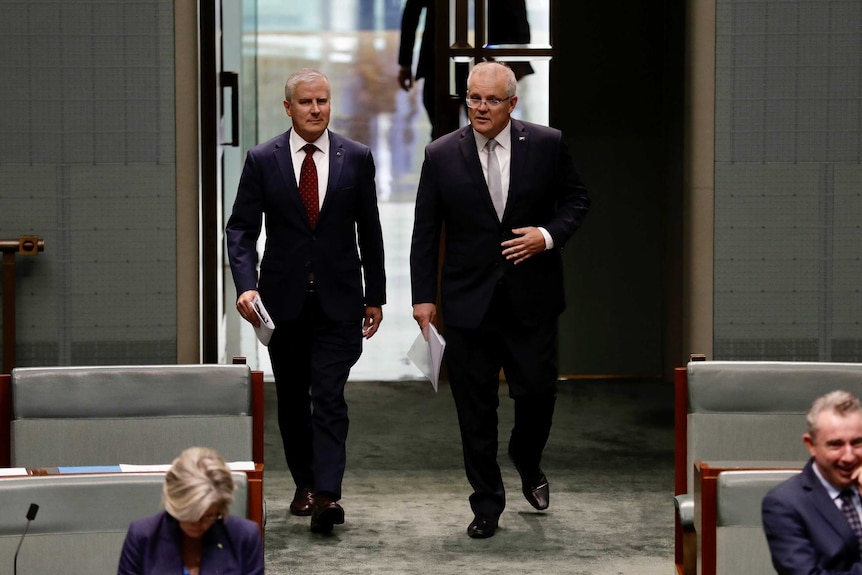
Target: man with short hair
509,197
322,281
809,518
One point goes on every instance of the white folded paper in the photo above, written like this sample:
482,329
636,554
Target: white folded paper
267,326
233,465
427,353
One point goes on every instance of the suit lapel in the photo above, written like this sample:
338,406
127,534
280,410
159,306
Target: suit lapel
336,166
517,161
284,160
825,506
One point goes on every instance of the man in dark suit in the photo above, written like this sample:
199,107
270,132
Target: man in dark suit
507,213
323,237
809,518
425,63
507,24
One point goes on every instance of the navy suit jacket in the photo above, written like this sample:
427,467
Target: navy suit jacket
545,190
806,531
294,249
231,547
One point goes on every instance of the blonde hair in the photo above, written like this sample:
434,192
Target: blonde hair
198,479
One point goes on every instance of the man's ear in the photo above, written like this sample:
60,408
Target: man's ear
808,440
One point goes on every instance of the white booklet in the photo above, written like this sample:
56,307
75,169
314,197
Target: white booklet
427,353
267,326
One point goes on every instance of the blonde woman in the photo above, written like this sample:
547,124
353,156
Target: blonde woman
194,535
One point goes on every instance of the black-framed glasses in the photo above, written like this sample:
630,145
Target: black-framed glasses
492,103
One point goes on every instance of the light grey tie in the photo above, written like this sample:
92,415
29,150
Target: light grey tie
495,181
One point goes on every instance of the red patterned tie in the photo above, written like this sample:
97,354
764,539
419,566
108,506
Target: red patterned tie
308,184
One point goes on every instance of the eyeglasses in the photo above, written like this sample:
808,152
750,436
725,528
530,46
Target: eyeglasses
492,103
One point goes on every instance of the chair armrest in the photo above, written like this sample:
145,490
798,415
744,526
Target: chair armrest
684,503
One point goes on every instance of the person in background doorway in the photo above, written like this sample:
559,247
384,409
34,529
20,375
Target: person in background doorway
507,24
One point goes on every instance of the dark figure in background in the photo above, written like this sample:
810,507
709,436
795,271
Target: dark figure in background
509,196
507,24
322,240
808,519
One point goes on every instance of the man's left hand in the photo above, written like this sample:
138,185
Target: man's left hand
529,242
373,317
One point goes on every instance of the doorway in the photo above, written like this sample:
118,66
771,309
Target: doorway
355,43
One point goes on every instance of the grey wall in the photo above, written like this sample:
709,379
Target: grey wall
88,163
787,180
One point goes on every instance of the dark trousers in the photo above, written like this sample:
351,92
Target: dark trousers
311,360
526,351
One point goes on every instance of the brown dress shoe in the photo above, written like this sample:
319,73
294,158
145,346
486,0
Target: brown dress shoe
303,501
325,514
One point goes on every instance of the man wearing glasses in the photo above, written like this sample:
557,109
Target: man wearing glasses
509,196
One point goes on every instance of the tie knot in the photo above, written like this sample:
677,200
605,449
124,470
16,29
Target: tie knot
846,495
492,143
309,149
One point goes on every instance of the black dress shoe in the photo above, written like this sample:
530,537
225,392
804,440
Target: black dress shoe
538,493
482,528
303,502
325,514
534,486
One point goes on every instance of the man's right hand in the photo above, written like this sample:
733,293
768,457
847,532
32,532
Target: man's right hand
245,307
424,313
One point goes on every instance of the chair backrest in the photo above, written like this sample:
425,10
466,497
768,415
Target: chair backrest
741,545
82,519
105,415
747,410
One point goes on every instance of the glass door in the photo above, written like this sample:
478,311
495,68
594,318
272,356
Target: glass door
356,44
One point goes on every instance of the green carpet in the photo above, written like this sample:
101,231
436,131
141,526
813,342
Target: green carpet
609,462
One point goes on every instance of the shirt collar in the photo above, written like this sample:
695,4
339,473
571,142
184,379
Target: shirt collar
296,142
833,491
503,138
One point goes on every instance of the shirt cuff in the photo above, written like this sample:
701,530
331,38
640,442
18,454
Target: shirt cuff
549,241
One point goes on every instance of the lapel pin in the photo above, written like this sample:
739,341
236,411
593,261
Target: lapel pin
338,153
522,138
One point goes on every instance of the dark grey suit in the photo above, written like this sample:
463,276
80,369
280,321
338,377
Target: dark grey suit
496,314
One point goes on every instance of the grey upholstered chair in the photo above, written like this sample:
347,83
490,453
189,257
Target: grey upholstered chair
145,415
745,414
82,519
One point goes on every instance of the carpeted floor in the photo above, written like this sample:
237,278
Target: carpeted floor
609,462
